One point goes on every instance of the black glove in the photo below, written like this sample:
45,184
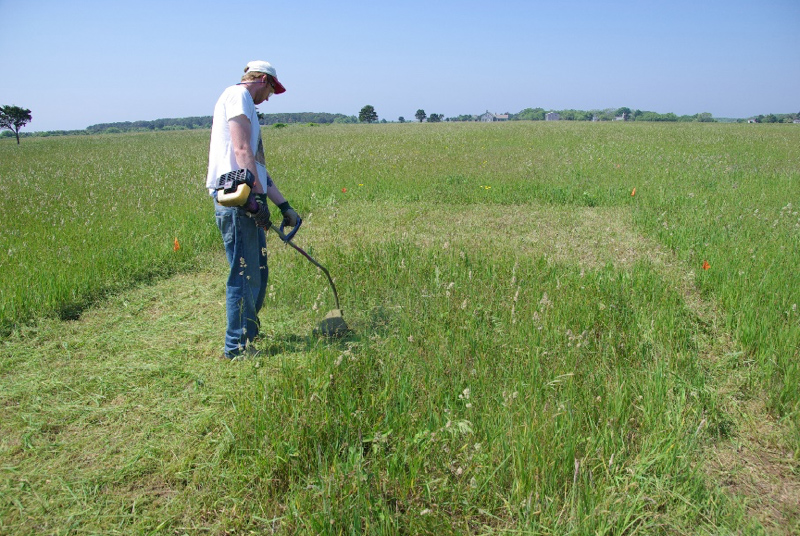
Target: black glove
257,208
290,217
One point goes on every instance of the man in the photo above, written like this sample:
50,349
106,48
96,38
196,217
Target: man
236,144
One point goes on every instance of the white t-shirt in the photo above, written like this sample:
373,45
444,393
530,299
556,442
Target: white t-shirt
234,101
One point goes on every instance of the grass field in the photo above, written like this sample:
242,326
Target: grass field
559,328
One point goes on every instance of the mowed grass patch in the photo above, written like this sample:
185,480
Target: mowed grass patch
116,423
516,384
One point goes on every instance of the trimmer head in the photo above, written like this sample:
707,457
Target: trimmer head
333,326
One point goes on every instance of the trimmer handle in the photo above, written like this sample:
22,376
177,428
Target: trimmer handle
292,232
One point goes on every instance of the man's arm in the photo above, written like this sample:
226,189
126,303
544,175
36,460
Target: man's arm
240,128
240,137
275,195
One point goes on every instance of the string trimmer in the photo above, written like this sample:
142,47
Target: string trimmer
333,325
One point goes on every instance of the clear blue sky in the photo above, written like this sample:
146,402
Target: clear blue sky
75,63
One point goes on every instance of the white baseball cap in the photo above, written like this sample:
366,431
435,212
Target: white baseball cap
265,67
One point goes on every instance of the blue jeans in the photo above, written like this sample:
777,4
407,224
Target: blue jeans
246,249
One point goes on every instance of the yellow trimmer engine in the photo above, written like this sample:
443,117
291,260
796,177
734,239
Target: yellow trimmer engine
233,188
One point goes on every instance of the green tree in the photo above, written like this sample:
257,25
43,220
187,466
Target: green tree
368,114
14,118
401,119
435,118
420,115
530,114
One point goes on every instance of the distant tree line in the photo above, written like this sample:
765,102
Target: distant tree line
626,114
183,123
191,123
608,114
528,114
305,117
777,118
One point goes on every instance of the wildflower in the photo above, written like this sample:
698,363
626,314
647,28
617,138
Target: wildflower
706,266
344,190
176,246
633,192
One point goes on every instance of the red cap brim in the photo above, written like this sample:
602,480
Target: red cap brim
278,86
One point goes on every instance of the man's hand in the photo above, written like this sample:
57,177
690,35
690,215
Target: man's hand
259,211
290,217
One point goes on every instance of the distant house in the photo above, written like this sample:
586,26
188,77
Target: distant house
489,117
623,117
552,116
796,121
751,120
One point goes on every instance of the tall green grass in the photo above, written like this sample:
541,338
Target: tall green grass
491,390
83,217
